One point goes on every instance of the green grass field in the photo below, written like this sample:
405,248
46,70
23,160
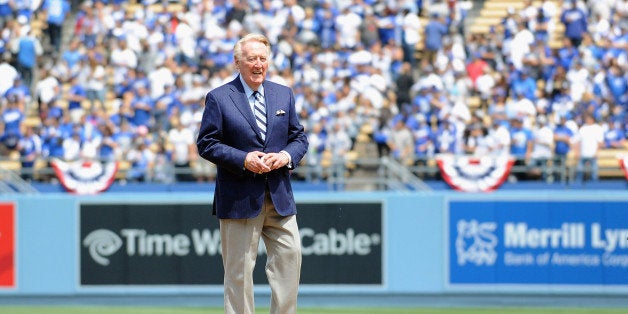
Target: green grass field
199,310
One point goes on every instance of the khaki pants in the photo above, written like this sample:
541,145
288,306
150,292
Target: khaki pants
240,241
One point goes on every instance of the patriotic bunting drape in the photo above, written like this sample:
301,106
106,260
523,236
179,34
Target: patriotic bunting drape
85,176
474,174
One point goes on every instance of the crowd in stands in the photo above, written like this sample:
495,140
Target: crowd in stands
113,80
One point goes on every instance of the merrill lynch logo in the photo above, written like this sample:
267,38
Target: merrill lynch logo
476,242
103,243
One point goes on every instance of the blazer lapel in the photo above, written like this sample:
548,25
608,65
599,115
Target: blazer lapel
271,105
242,104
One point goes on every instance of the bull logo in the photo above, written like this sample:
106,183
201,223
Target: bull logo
476,242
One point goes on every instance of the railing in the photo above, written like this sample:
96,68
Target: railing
11,182
399,173
366,174
362,174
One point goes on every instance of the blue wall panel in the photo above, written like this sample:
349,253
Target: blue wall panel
415,242
418,241
46,245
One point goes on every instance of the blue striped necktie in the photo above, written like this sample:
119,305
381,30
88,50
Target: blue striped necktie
260,113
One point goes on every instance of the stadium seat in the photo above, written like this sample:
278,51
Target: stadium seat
608,163
123,168
10,164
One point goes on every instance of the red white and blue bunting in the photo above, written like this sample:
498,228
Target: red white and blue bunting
623,163
85,176
474,174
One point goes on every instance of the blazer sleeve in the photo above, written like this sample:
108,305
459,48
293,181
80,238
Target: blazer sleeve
210,142
297,140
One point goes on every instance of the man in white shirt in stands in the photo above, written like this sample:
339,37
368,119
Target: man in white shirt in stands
589,140
499,138
543,147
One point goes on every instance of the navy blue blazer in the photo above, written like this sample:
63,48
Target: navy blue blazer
228,132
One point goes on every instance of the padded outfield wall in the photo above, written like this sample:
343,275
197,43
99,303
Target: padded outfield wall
376,242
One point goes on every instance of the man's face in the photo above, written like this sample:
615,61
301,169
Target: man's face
253,64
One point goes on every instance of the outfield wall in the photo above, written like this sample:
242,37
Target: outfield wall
376,242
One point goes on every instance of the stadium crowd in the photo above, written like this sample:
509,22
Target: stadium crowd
113,80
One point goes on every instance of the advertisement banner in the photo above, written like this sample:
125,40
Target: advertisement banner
7,245
538,242
179,244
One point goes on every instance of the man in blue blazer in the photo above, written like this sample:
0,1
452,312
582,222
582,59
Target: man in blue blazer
250,130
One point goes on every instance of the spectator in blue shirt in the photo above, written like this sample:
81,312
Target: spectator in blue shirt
562,144
619,41
438,101
615,136
20,91
308,27
561,102
127,85
387,26
164,106
525,85
542,21
617,85
521,145
52,140
142,105
108,145
6,12
73,55
381,136
66,126
123,134
54,110
11,119
422,101
445,138
575,21
326,15
27,48
509,24
76,94
141,159
423,141
567,53
435,31
589,105
56,13
29,147
12,116
221,52
125,112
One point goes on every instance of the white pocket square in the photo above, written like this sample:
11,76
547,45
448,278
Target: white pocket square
280,112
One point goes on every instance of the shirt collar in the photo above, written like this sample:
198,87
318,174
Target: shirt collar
249,91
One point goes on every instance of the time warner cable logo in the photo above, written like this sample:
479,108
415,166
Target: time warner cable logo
102,243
